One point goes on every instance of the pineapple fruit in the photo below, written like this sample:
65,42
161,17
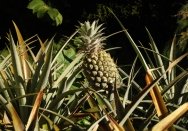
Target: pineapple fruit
99,68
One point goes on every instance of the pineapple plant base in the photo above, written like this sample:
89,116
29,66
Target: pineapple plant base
99,68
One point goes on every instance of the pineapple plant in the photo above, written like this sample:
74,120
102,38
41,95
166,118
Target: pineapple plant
99,67
35,86
40,91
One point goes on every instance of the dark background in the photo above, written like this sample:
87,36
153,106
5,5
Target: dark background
158,16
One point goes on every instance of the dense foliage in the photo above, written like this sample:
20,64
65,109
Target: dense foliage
44,84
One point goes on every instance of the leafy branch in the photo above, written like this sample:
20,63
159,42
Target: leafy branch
42,9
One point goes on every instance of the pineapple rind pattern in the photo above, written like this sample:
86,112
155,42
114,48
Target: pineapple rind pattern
101,70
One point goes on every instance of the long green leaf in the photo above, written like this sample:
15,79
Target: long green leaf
135,47
23,54
39,81
63,95
68,69
146,90
17,68
157,57
61,49
43,80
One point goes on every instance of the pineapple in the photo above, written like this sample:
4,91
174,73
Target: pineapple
99,68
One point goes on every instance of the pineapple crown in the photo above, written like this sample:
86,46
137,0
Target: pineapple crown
91,35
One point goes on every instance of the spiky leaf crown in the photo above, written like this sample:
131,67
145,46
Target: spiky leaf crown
91,35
